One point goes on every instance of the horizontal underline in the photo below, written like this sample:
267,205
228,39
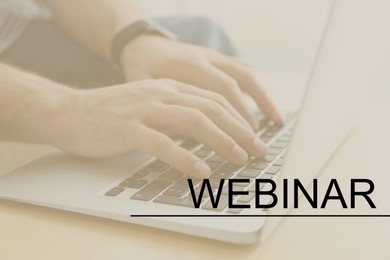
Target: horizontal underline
268,216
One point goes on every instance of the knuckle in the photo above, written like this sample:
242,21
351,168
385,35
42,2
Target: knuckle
174,85
172,99
159,143
170,84
212,108
231,84
193,116
220,99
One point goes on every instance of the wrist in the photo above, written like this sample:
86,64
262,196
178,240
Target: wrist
58,110
137,52
33,109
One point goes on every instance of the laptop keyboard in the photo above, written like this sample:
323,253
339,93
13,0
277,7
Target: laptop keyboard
160,183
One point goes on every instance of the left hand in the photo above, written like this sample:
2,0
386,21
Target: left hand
149,56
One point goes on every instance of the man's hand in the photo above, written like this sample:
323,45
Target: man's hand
149,56
113,120
95,23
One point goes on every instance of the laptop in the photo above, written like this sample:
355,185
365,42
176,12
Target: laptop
137,188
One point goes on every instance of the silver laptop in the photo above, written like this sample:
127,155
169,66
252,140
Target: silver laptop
137,188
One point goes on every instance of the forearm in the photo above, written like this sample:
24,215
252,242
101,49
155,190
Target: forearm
31,107
95,22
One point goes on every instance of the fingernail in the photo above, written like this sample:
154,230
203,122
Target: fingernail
202,169
278,118
240,154
260,147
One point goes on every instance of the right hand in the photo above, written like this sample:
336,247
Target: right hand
150,56
110,121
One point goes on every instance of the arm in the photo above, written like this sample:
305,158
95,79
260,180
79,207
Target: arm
30,105
95,22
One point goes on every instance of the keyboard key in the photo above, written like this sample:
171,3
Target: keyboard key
266,140
272,170
133,183
151,190
264,122
206,193
257,164
171,175
274,129
184,181
216,158
241,184
268,158
250,173
189,144
206,148
246,198
203,154
274,151
234,210
265,176
291,115
279,144
176,191
223,202
231,167
221,174
278,162
252,188
184,202
266,137
284,139
214,183
225,190
157,166
140,174
213,165
114,191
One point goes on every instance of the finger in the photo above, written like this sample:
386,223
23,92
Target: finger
217,55
241,62
193,123
245,137
218,81
191,90
136,74
166,150
247,80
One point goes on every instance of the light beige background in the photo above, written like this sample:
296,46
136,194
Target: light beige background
287,33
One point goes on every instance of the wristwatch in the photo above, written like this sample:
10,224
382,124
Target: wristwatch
127,34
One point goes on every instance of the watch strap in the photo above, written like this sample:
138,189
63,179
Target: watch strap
127,34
